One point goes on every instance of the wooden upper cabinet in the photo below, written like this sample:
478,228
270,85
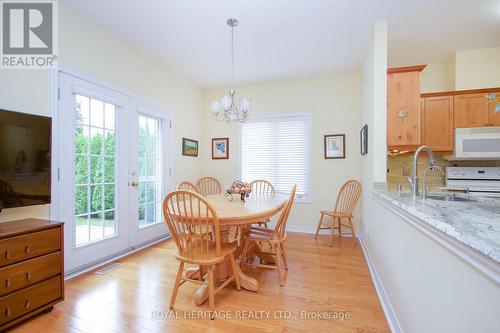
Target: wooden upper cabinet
471,110
403,107
494,117
437,122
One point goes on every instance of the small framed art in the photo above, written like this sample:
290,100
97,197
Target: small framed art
189,147
220,148
334,146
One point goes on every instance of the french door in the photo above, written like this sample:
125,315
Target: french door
112,170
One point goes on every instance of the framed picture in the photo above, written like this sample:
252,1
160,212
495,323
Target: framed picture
334,146
220,148
363,139
189,147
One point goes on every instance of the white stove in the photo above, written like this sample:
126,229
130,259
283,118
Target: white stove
474,180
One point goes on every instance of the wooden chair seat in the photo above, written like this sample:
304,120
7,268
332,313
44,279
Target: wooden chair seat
194,254
335,214
264,234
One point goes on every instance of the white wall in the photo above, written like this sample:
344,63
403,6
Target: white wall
335,105
87,49
375,115
438,76
463,70
477,69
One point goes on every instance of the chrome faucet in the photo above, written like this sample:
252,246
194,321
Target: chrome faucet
414,179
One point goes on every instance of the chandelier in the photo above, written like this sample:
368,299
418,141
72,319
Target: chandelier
225,108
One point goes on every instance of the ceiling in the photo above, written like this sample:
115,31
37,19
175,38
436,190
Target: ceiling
279,39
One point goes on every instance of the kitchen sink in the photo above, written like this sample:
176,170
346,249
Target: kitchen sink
448,198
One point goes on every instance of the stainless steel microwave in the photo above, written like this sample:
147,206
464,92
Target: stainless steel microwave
477,143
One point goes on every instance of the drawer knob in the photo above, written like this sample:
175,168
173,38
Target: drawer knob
7,312
7,283
27,250
28,276
7,255
27,304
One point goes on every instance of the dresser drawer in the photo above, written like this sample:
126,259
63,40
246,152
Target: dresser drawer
26,273
20,303
27,246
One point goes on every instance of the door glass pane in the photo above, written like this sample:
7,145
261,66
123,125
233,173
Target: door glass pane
95,170
150,166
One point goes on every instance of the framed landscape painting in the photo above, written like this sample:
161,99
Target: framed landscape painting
189,147
334,146
220,148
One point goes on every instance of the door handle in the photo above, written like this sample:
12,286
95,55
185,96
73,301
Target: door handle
134,184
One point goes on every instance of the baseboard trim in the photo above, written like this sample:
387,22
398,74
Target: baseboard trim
390,315
127,252
312,230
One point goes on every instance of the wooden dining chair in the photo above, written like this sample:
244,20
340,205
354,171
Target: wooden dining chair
256,238
262,186
187,186
188,216
208,186
346,202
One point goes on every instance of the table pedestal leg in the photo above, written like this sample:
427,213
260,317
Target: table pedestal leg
224,270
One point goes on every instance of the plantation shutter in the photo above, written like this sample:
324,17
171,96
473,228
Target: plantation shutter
278,150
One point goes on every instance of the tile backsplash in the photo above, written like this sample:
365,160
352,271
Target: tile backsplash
396,169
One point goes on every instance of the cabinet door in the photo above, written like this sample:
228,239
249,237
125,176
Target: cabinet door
403,109
494,117
437,123
471,110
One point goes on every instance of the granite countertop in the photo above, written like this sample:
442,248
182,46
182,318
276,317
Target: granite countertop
475,223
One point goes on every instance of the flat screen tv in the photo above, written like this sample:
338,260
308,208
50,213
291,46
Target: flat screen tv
24,159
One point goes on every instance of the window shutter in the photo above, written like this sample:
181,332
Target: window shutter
278,149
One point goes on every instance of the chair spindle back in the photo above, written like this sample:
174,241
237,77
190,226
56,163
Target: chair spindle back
261,186
187,186
188,216
348,197
280,228
208,186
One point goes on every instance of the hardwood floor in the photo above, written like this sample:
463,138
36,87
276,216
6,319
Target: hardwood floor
333,280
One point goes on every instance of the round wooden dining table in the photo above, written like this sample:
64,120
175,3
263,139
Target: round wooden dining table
231,213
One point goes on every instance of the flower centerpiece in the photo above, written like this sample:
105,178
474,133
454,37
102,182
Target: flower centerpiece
241,188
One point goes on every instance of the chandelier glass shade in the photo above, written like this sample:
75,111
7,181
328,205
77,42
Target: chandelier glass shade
226,108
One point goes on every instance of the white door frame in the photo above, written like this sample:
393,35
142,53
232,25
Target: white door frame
57,161
88,254
142,107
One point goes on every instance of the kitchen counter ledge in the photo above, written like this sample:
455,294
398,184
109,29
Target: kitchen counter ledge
471,229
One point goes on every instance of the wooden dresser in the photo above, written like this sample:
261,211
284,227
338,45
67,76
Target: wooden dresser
31,269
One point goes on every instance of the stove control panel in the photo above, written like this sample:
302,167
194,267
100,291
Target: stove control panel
473,173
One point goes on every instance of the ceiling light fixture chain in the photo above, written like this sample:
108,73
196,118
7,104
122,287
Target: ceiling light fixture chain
231,113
